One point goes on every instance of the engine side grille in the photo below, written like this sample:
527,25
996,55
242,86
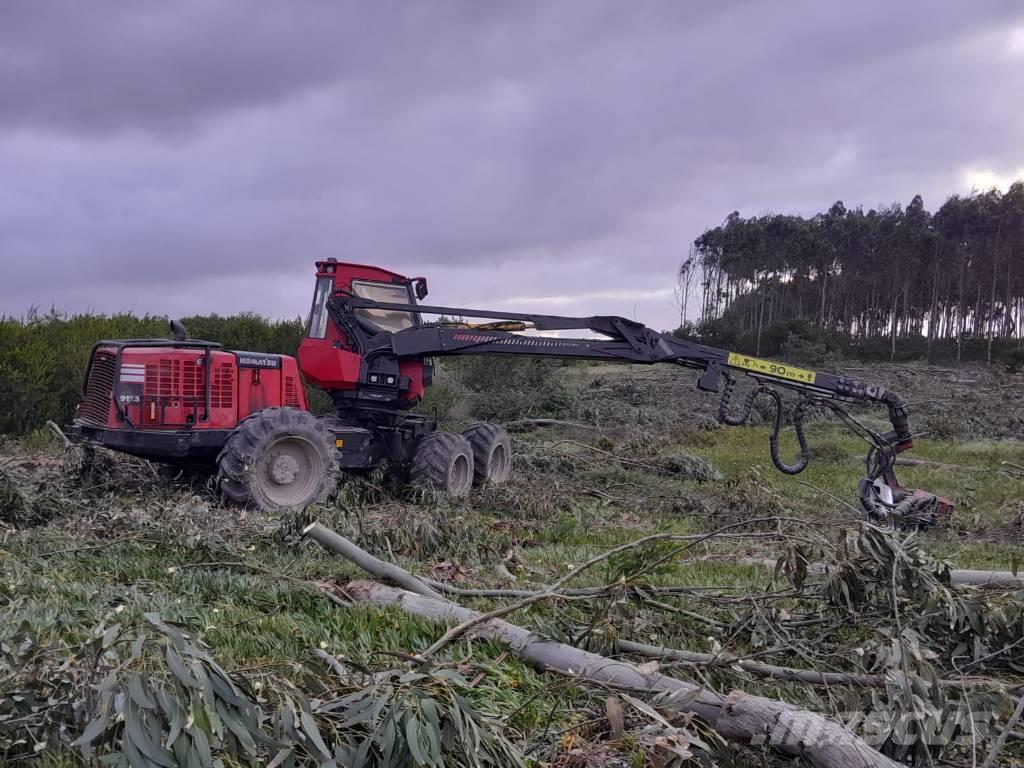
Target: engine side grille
99,389
291,392
175,380
222,387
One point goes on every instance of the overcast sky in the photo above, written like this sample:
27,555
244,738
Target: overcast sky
184,157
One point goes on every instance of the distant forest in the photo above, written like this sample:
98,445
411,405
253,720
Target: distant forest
896,282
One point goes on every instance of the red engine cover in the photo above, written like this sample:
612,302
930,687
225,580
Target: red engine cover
164,387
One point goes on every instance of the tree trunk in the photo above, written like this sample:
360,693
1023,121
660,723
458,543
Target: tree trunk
821,308
992,296
961,320
895,305
977,311
760,320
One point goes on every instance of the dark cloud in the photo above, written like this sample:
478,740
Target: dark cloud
177,157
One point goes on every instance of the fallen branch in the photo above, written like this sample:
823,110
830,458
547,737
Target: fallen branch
738,717
59,432
958,576
986,578
604,591
374,566
554,591
809,676
649,466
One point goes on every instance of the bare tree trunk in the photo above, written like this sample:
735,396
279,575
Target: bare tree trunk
895,304
760,321
1008,323
992,296
821,308
960,318
977,311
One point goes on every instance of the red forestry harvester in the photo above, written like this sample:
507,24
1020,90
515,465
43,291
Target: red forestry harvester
189,402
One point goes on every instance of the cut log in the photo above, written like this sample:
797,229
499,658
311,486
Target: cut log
374,566
957,576
986,578
738,717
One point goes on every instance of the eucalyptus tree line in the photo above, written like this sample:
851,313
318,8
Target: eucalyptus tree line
885,274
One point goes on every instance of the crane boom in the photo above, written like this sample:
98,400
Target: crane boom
623,340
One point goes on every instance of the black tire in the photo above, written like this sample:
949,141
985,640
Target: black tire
277,459
492,452
445,461
233,491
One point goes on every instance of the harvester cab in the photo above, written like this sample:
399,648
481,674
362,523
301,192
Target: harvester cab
244,415
329,354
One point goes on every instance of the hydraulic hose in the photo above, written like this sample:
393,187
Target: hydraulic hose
798,426
773,441
723,406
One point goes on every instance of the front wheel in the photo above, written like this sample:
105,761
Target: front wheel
445,461
277,459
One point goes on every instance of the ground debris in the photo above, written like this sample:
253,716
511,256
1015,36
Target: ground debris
84,536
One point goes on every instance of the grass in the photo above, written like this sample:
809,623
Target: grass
251,589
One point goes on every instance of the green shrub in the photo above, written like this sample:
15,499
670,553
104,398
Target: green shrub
505,388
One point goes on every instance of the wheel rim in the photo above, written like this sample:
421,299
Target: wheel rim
459,475
499,464
289,472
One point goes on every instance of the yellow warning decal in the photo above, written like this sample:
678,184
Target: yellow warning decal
770,368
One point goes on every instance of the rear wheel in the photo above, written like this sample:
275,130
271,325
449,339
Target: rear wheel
279,458
445,461
492,452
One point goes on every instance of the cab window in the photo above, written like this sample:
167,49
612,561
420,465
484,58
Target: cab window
393,293
317,326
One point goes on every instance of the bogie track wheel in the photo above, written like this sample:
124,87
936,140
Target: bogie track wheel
445,461
279,458
492,452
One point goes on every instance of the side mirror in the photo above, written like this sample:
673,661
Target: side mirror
419,287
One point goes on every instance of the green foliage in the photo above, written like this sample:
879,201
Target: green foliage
162,699
507,388
930,625
418,717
